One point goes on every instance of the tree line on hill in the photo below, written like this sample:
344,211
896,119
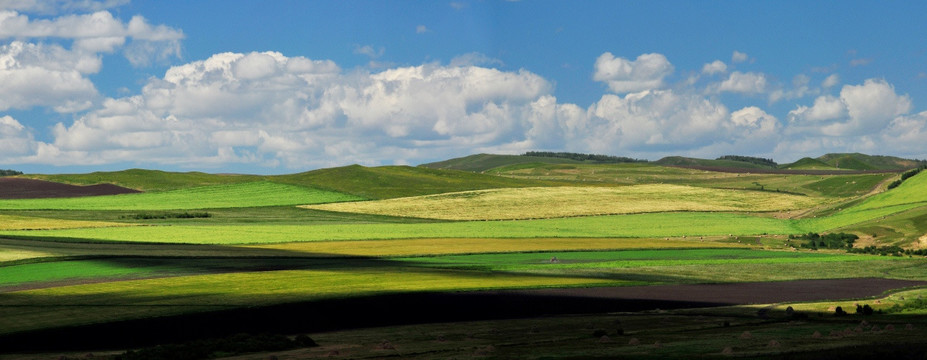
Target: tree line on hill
750,159
583,157
905,176
10,172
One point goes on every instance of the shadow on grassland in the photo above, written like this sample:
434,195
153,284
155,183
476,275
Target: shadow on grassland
414,308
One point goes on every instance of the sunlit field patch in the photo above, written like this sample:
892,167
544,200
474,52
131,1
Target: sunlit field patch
216,196
15,222
616,226
550,202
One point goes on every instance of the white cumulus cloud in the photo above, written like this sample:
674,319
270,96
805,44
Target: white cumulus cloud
714,67
745,83
39,75
624,76
860,109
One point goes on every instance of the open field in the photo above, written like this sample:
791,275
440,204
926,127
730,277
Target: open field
652,225
13,222
111,261
215,196
629,174
555,202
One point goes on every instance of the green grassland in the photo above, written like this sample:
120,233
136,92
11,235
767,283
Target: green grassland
148,180
635,225
66,262
826,186
483,162
386,182
214,196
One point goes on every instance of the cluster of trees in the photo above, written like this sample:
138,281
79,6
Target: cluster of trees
893,250
10,172
583,157
750,159
183,215
909,304
906,175
816,241
219,347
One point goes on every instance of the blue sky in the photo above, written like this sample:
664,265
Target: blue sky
286,86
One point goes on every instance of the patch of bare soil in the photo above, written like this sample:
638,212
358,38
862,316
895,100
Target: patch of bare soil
19,188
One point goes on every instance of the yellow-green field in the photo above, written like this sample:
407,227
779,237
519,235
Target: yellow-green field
14,222
552,202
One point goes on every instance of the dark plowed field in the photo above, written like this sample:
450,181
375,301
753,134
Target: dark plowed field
413,308
17,188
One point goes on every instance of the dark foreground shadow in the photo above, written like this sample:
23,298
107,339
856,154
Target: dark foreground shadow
326,315
431,307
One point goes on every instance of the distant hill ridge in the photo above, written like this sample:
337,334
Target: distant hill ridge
828,162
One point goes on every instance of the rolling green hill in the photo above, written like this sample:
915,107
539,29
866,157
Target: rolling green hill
687,161
807,163
857,161
148,180
483,162
387,182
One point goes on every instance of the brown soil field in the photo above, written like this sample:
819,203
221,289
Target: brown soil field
17,188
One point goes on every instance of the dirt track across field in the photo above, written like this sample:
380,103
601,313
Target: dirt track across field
414,308
19,188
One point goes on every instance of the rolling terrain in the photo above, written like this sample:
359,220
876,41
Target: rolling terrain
195,248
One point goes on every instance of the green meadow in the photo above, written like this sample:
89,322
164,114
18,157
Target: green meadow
356,232
213,196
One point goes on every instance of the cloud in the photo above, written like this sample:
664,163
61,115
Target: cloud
714,67
15,139
860,62
98,32
860,109
739,57
40,75
100,24
831,81
650,120
269,109
745,83
51,7
421,29
457,5
623,76
277,111
905,136
474,59
369,51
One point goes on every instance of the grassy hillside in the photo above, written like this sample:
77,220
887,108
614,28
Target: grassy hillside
148,180
807,163
687,161
483,162
216,196
387,182
857,161
528,203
